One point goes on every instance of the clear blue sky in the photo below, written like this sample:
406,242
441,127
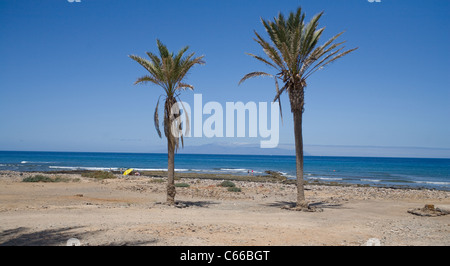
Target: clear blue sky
66,83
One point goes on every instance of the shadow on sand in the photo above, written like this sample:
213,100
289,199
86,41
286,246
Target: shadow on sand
319,204
201,204
23,236
186,204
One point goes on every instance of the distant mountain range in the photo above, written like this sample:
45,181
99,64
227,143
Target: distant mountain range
237,148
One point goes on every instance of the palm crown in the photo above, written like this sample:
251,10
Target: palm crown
168,71
294,53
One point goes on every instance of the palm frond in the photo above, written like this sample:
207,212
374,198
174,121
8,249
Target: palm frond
313,58
278,97
156,118
263,60
163,51
184,86
168,118
146,64
254,74
270,51
145,79
155,59
279,92
174,122
331,40
188,125
186,64
322,65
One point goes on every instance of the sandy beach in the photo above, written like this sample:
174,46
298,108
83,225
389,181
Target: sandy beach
130,211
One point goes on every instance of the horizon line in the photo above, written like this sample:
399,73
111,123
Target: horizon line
291,155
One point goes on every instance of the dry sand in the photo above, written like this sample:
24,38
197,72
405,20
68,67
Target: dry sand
128,211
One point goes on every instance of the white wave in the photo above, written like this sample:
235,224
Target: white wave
159,169
111,168
433,182
24,162
239,170
331,178
287,175
283,173
327,178
64,167
370,180
84,168
149,169
235,169
222,170
102,168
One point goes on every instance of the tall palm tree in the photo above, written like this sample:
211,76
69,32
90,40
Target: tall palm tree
168,71
294,55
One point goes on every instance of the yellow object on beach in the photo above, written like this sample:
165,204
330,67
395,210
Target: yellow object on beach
128,171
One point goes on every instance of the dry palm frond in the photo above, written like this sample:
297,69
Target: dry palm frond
156,118
254,74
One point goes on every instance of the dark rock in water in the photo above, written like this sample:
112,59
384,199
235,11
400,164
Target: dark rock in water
428,210
276,175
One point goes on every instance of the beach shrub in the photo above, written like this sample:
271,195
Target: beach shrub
38,178
234,189
99,175
156,180
46,179
65,179
182,185
227,183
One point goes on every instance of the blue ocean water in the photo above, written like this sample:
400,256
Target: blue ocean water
411,172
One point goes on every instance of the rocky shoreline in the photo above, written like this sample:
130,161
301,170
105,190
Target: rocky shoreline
269,176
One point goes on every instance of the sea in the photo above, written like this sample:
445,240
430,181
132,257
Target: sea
374,171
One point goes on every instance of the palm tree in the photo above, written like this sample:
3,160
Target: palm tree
294,54
168,71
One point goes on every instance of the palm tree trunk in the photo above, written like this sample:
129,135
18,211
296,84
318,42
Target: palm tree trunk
168,118
301,201
296,98
170,171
